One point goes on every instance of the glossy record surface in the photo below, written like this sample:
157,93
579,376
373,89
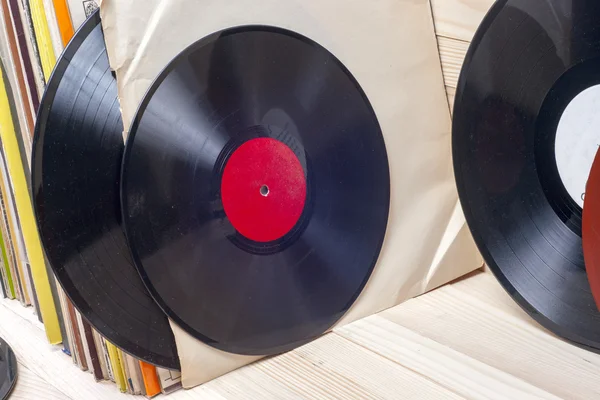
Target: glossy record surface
230,89
8,370
528,60
78,146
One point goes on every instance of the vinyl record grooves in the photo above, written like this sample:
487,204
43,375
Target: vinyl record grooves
255,190
8,370
528,60
76,161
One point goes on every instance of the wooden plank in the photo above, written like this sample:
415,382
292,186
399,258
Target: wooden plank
331,367
452,55
30,386
462,374
27,313
501,337
48,362
459,19
484,288
455,23
328,368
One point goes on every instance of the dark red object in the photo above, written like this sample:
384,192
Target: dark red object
590,229
263,189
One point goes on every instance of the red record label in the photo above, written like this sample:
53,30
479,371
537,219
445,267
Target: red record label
591,229
263,189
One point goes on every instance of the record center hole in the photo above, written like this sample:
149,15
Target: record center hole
577,140
264,190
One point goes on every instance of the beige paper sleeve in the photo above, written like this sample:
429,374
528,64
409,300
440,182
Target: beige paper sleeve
390,48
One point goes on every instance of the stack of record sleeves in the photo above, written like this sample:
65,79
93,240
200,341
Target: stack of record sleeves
33,34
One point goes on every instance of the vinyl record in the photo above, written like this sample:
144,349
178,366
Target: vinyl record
8,370
77,152
591,229
528,60
255,190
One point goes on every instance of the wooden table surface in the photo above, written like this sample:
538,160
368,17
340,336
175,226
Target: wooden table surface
455,23
465,340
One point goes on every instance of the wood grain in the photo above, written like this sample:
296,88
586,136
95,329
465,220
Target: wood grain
459,19
48,362
30,386
457,372
328,368
455,23
452,55
465,340
495,333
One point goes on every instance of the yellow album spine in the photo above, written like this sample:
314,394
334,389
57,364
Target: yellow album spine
115,361
11,226
42,36
33,245
10,288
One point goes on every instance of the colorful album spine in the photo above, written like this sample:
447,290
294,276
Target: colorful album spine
115,362
102,355
135,379
138,368
8,136
170,381
3,289
34,299
37,87
10,251
54,29
109,367
63,18
150,378
10,228
67,330
77,345
13,29
42,35
14,227
6,276
125,369
20,106
69,323
94,360
32,49
27,99
3,281
87,358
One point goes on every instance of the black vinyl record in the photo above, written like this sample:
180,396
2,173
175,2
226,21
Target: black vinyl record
255,190
76,162
528,60
8,370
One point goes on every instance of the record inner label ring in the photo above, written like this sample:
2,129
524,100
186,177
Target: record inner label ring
263,189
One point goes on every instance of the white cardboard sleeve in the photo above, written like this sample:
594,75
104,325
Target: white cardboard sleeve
390,48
